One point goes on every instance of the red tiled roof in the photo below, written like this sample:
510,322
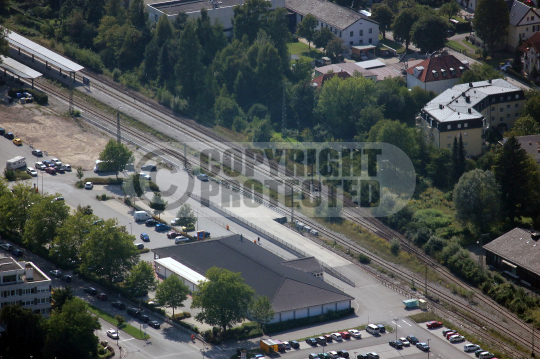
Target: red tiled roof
533,41
437,64
323,78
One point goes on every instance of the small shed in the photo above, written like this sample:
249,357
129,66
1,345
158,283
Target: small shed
410,303
269,345
422,304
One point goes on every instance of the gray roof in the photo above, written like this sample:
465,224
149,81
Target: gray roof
517,11
456,108
287,288
308,264
531,144
189,6
337,16
519,248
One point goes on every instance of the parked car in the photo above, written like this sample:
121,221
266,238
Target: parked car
56,162
59,199
412,339
144,318
68,167
40,166
37,153
102,296
48,163
345,335
355,333
294,344
180,239
324,356
134,312
56,272
445,331
88,185
343,353
478,352
203,177
2,131
139,245
32,172
329,338
151,222
9,135
382,328
311,341
6,246
337,337
486,355
449,334
162,227
145,176
423,346
333,354
149,167
50,170
17,141
434,324
321,340
111,333
372,355
173,235
17,252
145,237
396,344
456,338
287,345
154,324
313,356
404,341
66,278
118,305
90,290
60,169
470,347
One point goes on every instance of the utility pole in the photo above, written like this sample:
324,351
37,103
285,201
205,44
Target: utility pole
425,283
396,319
185,156
429,348
71,109
118,137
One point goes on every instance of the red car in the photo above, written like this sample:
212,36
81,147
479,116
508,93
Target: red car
434,324
50,170
345,335
173,234
102,296
448,335
328,338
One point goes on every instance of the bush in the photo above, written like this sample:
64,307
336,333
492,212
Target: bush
362,258
116,73
40,97
394,246
462,27
130,79
179,105
9,174
85,57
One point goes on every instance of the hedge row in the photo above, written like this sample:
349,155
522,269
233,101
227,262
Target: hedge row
40,97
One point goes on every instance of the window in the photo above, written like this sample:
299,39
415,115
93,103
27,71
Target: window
361,32
517,115
508,116
527,29
517,96
509,97
339,33
448,145
361,41
493,99
502,119
465,134
370,41
465,144
370,30
350,42
517,105
493,109
459,125
465,125
502,98
532,18
501,109
527,18
508,107
449,136
9,279
301,17
448,127
492,118
352,34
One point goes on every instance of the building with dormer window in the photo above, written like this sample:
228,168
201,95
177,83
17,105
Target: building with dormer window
436,74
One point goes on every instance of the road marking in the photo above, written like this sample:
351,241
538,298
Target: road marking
406,323
125,340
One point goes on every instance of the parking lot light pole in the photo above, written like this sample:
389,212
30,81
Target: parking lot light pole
131,224
396,319
429,348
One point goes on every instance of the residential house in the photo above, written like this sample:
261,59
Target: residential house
436,74
524,22
531,144
319,81
350,26
467,110
347,67
531,53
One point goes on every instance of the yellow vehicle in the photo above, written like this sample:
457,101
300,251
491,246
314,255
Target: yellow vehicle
17,141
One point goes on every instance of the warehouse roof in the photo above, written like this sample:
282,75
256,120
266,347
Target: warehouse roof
332,14
287,288
18,69
188,6
41,52
519,248
181,270
307,264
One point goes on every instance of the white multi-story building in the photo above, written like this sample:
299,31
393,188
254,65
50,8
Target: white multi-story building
25,284
350,26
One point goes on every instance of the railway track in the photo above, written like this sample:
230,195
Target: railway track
370,224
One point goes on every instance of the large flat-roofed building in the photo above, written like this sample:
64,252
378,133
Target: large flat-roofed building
24,284
350,26
295,287
467,110
220,10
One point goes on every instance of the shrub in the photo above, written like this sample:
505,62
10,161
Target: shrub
362,258
179,105
130,79
9,174
101,351
40,97
86,57
394,246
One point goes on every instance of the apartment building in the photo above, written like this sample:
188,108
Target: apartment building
25,284
524,23
468,110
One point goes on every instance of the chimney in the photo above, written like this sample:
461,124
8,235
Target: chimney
470,84
463,94
468,99
29,273
489,81
441,106
535,236
470,111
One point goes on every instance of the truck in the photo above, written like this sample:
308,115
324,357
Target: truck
141,216
16,162
410,303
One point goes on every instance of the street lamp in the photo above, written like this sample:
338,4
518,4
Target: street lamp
396,319
429,348
131,224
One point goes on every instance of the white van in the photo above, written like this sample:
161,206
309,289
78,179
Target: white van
372,329
16,162
486,355
141,216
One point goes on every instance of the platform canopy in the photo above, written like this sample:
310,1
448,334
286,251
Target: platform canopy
18,69
43,53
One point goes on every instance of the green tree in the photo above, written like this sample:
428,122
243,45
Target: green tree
171,292
60,296
224,299
532,106
116,155
517,175
70,333
134,186
334,48
397,134
384,16
403,24
151,55
491,20
164,31
158,204
211,37
186,215
137,16
16,208
4,7
70,237
109,251
226,109
480,72
80,173
477,199
306,28
24,335
249,18
141,278
189,69
46,218
438,166
322,37
261,311
429,33
524,126
449,9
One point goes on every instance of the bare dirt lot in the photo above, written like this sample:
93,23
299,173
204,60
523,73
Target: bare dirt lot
72,141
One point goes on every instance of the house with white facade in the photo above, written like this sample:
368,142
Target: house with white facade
436,74
23,283
524,23
531,53
352,27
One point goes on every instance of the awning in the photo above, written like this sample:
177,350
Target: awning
509,264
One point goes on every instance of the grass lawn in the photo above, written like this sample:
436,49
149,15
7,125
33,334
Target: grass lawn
456,45
303,51
131,330
392,44
469,44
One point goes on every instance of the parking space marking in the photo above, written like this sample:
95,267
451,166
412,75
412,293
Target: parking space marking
406,323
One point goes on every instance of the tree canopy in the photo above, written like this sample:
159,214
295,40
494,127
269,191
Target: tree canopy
261,310
24,335
384,16
491,20
306,28
171,292
141,278
186,215
480,72
116,156
403,24
429,33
